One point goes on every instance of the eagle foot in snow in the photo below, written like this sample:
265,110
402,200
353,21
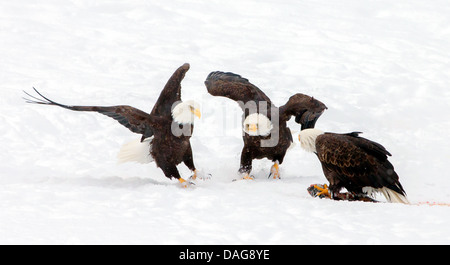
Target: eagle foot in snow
245,177
185,184
319,190
198,175
322,191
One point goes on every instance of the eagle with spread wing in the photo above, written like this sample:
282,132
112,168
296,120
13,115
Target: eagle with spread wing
266,134
166,131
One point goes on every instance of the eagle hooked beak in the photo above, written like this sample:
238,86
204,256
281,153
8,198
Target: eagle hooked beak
257,124
308,119
253,127
196,112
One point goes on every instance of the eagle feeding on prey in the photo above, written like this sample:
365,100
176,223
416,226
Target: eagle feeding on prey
265,126
354,163
158,142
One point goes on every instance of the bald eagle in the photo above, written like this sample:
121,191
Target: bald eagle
166,131
266,134
354,163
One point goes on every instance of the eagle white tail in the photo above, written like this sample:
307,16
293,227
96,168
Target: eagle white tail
136,151
390,195
393,196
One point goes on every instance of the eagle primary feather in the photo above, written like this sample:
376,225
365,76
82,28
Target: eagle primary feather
234,87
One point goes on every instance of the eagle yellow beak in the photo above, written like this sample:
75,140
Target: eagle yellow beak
252,127
196,113
299,138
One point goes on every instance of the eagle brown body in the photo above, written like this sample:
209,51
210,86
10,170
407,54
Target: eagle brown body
355,163
252,100
167,149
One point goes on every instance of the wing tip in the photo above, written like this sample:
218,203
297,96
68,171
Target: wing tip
354,134
228,76
185,66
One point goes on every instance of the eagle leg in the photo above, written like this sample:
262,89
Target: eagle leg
171,171
275,171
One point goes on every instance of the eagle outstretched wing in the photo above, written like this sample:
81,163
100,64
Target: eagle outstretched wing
234,87
171,93
306,109
134,119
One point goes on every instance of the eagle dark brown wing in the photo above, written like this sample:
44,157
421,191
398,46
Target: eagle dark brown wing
359,162
134,119
234,87
338,153
371,147
306,110
171,93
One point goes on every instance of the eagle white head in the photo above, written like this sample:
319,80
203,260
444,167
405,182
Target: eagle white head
307,139
185,112
257,124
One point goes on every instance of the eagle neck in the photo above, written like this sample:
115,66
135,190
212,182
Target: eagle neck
308,138
282,113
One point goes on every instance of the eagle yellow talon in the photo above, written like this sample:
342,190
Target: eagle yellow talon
184,183
323,191
248,177
194,177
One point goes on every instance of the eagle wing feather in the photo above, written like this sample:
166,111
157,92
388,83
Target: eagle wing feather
306,110
234,87
132,118
342,156
171,93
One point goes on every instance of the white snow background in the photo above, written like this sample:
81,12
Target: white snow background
381,67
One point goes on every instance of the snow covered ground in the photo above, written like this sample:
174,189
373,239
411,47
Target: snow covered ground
381,67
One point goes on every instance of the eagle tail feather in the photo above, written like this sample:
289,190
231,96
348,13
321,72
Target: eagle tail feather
393,196
390,195
136,151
